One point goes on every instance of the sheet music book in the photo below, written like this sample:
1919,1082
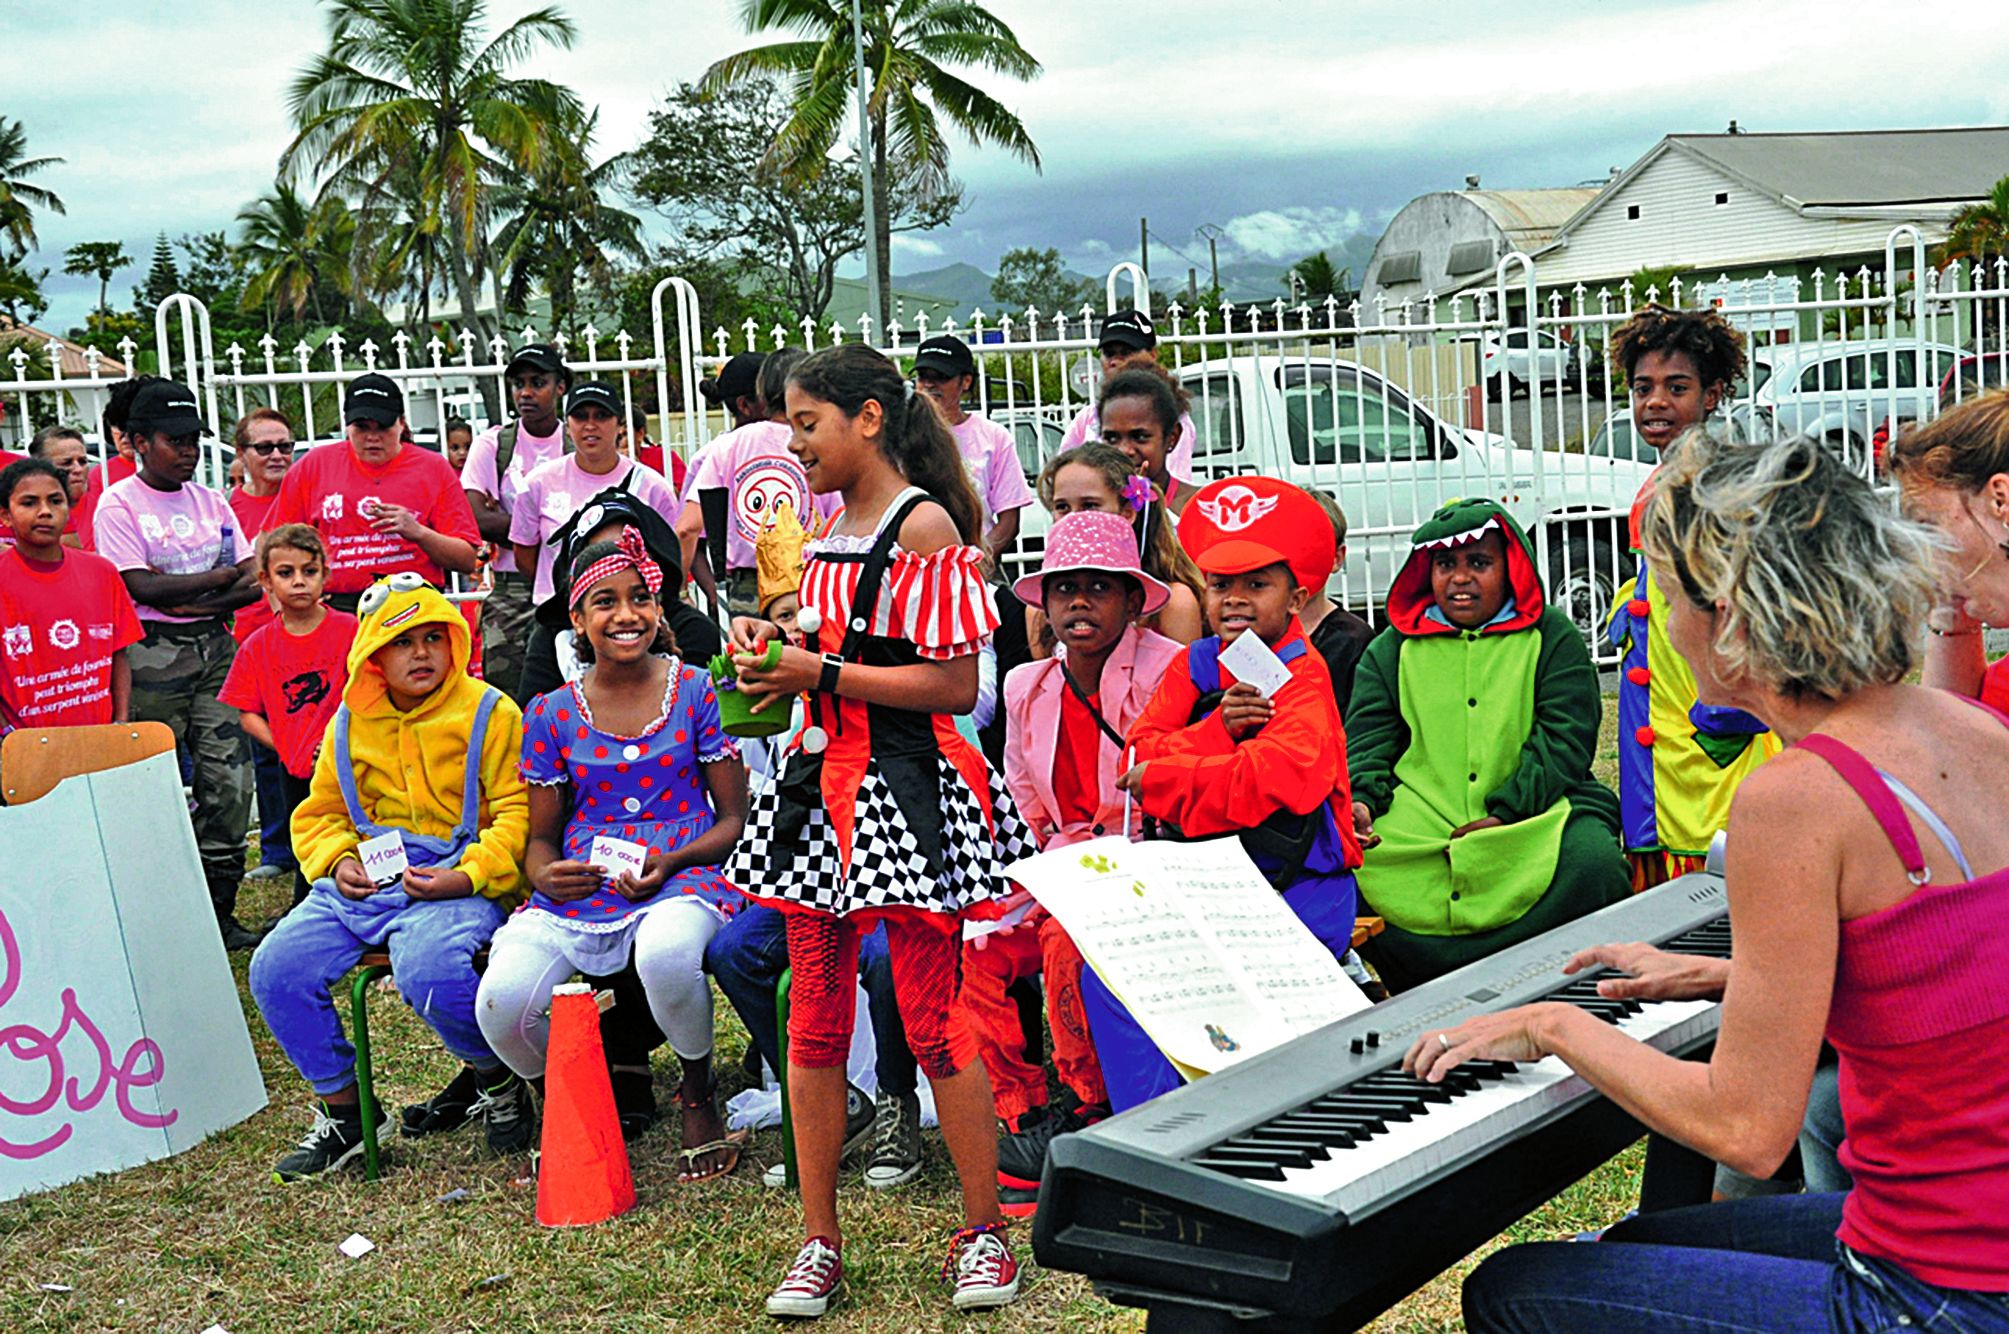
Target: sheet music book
1194,941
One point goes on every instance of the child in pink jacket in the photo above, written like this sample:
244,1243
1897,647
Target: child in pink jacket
1065,719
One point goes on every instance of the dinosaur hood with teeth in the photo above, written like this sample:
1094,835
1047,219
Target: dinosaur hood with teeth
1455,525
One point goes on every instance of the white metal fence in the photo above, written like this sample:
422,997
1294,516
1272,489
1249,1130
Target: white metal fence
1392,410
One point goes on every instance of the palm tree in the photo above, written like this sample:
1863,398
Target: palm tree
1979,232
100,258
1318,279
21,287
907,44
20,197
294,251
412,80
557,224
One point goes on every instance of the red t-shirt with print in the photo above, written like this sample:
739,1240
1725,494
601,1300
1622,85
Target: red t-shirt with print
59,627
330,489
295,682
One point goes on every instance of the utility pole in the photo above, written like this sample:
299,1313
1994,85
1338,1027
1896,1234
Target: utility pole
1144,248
875,300
1213,235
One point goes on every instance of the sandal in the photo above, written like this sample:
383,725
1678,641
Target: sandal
731,1143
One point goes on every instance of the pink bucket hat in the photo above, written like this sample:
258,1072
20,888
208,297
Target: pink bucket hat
1091,540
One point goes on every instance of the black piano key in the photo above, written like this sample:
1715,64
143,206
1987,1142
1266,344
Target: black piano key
1261,1153
1333,1130
1309,1146
1246,1171
1390,1109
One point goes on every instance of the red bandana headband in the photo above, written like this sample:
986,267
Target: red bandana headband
629,552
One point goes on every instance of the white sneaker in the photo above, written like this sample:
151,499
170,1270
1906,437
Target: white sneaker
812,1281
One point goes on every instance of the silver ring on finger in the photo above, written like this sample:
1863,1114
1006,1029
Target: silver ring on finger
1444,1040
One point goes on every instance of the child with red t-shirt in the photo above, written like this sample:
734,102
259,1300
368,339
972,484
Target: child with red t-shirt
65,615
286,681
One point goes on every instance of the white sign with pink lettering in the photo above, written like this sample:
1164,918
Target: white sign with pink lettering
122,1039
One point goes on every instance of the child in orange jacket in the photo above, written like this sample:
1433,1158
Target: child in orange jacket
1217,757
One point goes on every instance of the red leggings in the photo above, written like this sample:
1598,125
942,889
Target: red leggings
1042,947
822,993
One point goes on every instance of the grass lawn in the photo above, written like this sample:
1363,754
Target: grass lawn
208,1238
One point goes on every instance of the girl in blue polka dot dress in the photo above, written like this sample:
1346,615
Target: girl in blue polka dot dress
633,751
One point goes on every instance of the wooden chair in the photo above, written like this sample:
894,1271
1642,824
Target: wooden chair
34,760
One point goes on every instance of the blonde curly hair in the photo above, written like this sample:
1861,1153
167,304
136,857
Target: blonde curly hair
1819,584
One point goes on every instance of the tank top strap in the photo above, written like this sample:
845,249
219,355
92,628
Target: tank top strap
1884,806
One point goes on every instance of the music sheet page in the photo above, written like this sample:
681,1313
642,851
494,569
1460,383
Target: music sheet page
1259,938
1194,942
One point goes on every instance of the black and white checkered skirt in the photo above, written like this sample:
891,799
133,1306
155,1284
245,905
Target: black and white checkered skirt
919,840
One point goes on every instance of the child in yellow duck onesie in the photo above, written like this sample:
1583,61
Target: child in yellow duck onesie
422,750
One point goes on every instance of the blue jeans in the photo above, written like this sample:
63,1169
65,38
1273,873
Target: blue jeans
432,944
1767,1263
275,813
1132,1066
748,956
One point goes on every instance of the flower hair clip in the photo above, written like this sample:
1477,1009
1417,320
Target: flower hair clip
1137,492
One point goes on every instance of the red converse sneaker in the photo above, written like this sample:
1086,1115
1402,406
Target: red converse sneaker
982,1268
812,1281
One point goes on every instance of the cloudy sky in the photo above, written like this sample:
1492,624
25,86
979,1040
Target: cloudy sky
1293,124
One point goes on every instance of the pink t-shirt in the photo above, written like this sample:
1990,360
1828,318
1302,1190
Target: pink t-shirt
992,459
753,465
1087,426
185,531
555,490
478,473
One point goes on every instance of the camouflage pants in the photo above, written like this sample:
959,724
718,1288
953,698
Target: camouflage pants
505,633
177,670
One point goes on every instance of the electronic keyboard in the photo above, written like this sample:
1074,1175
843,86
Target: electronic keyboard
1315,1185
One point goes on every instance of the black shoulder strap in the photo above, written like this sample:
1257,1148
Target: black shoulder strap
865,604
505,451
1089,704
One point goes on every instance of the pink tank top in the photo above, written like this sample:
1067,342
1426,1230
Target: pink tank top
1920,1016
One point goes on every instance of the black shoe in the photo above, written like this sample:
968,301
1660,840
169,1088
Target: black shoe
1022,1155
332,1143
449,1109
860,1116
1018,1201
237,936
752,1064
634,1102
506,1107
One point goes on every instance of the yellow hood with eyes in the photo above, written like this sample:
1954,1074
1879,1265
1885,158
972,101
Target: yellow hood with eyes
401,612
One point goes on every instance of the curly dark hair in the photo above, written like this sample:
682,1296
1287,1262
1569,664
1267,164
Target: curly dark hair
582,647
1703,336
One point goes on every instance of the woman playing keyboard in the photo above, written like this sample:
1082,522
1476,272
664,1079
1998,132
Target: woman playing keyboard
1868,876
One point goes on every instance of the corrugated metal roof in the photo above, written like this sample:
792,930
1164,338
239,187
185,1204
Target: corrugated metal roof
1874,167
1531,217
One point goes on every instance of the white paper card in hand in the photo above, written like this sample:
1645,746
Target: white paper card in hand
615,855
383,857
1253,663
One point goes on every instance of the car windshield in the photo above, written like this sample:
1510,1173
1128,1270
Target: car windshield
1615,439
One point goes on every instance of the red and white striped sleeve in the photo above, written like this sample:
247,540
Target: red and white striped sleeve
940,603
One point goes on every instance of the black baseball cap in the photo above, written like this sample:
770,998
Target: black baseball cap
537,356
596,392
373,397
1128,328
738,378
945,354
166,407
616,504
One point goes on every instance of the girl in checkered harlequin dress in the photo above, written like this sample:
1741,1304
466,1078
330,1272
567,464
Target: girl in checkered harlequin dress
882,810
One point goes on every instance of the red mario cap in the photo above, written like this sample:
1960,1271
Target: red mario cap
1244,523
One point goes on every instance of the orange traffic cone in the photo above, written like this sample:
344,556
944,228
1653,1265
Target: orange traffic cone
583,1176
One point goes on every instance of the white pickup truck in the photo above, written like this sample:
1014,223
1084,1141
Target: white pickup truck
1390,462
